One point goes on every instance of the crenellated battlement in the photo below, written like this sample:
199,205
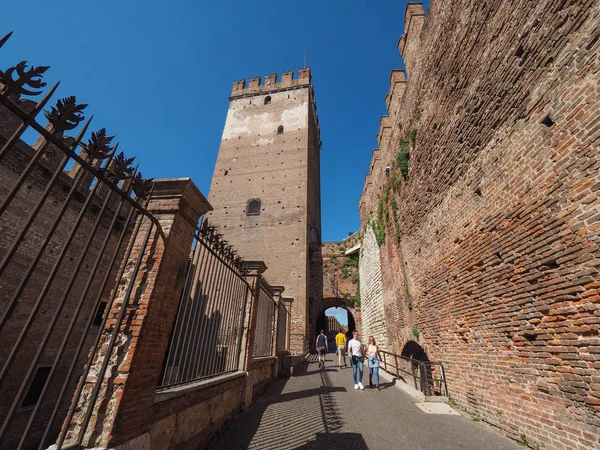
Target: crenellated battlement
255,87
408,44
385,126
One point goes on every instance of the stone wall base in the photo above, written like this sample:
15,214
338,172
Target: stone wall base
290,362
187,417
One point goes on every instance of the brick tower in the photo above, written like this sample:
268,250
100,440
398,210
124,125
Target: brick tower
265,188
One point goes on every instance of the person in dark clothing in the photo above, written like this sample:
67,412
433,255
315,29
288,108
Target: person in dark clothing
322,348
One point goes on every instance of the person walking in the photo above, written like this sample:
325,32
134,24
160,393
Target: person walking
356,354
322,348
340,340
373,357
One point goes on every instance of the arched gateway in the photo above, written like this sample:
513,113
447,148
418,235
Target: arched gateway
320,321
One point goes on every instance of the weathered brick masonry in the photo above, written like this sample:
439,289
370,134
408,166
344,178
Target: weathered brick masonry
499,219
371,290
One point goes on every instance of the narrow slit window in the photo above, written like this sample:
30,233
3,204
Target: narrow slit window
280,129
267,100
37,385
100,313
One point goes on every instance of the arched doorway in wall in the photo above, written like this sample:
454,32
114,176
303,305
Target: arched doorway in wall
422,371
415,351
321,321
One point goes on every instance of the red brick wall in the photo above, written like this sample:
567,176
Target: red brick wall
500,217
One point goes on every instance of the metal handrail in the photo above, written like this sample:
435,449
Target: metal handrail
429,376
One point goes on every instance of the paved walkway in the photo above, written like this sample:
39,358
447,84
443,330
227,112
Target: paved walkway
319,409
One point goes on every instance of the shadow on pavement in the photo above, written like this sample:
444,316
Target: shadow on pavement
329,441
388,384
261,425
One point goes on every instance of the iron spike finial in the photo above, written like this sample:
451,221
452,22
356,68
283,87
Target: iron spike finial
83,129
67,114
142,187
32,77
121,168
5,38
98,146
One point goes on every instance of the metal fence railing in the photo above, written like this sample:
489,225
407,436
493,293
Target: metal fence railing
265,321
207,337
68,214
428,376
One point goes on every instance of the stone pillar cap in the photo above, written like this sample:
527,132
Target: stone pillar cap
277,290
179,187
255,267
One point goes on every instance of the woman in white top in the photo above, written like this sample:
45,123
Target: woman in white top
374,357
355,351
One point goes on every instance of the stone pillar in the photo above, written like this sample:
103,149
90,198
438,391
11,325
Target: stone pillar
253,271
123,408
277,291
287,302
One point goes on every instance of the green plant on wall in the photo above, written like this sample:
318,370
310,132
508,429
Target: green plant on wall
523,439
350,262
353,299
379,231
349,267
415,332
412,137
395,181
402,157
380,210
451,400
395,217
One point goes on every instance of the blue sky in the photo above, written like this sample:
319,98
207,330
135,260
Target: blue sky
157,74
339,313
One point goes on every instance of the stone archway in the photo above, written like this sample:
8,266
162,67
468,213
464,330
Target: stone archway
319,321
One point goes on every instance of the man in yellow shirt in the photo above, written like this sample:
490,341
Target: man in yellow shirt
340,340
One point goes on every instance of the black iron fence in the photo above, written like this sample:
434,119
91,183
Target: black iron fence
208,332
64,234
428,376
265,321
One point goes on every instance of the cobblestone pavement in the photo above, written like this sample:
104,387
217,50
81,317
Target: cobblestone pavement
319,409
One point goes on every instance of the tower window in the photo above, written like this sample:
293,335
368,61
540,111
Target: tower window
280,129
253,207
267,100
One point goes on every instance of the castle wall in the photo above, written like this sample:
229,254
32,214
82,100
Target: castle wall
499,217
371,291
255,162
